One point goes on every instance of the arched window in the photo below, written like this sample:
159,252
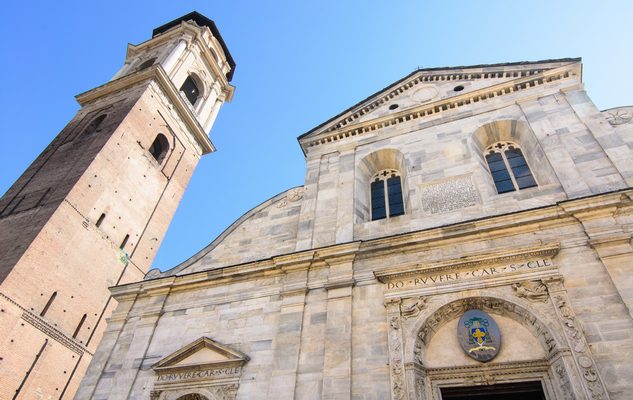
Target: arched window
48,304
159,148
94,124
146,64
192,396
386,195
83,319
190,89
508,167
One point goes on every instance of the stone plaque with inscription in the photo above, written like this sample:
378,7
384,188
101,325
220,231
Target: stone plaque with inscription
449,195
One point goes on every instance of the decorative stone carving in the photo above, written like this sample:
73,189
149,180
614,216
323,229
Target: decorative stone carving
412,306
292,196
578,344
295,194
396,366
449,195
619,116
534,291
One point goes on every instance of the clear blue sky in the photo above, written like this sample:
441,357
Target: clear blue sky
298,64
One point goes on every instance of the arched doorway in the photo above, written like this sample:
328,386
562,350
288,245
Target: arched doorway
425,364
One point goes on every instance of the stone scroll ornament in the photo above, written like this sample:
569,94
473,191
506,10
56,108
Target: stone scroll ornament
479,335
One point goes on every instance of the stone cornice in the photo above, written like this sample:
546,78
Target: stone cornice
400,243
48,329
158,74
347,129
486,258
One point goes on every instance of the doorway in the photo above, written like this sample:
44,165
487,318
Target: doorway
503,391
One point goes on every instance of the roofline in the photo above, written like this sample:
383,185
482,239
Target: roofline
202,21
567,59
225,233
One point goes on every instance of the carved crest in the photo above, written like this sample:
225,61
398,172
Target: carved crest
479,335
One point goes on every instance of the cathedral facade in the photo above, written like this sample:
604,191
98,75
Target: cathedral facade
462,233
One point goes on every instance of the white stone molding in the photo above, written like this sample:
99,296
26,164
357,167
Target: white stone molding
343,130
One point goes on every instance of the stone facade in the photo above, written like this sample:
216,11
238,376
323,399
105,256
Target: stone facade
317,299
92,209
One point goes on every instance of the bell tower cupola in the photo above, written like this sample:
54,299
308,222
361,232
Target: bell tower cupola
192,55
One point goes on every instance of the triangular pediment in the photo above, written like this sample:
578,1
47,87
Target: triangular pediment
202,352
438,89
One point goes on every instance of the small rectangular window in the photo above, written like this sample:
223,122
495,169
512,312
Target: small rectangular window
100,220
124,242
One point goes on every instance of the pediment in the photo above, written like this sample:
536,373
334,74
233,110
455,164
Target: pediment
434,88
204,352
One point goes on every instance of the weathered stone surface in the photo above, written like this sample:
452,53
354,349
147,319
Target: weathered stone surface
328,304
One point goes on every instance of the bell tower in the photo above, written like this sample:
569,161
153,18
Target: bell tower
91,211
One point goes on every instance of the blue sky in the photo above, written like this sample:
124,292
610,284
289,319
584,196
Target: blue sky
298,64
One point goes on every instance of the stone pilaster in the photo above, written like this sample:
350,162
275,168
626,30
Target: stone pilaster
613,246
287,344
141,332
345,199
337,362
396,348
590,384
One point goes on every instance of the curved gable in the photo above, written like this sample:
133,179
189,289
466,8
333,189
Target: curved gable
266,230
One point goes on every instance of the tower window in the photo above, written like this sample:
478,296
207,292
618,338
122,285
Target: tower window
94,124
124,242
159,148
386,195
190,89
48,304
100,220
508,167
146,64
83,319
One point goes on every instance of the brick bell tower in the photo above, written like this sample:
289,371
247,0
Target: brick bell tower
91,211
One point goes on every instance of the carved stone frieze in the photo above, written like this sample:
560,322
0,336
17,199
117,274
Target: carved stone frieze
619,116
292,196
396,355
412,306
534,291
576,339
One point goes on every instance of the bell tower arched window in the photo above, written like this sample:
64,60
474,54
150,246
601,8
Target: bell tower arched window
159,148
191,90
386,195
508,167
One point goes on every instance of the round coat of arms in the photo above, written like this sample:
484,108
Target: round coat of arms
479,335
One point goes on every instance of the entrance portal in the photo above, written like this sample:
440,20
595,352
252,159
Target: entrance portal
502,391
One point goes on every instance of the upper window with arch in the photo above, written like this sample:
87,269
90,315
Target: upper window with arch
508,167
94,125
380,186
191,90
159,148
386,195
146,64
